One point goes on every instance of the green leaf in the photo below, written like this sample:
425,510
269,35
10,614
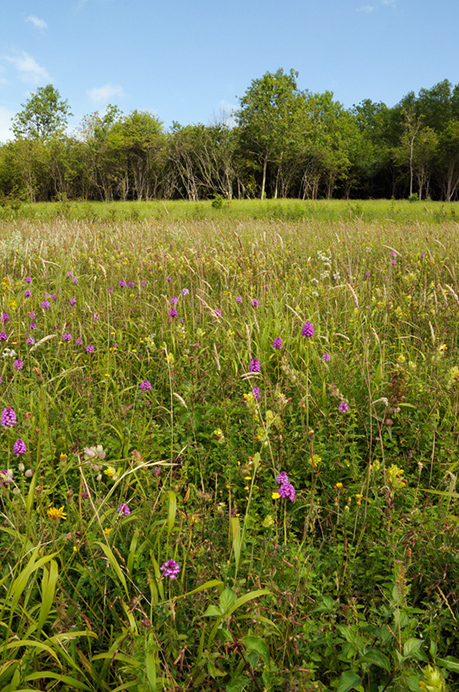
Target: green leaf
114,564
248,597
238,684
227,599
172,510
213,611
375,657
348,680
258,645
450,663
411,646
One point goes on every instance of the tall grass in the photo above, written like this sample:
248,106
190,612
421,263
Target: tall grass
152,436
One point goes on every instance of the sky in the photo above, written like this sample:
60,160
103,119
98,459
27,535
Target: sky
191,62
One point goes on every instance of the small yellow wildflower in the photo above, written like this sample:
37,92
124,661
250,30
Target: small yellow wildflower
56,513
275,496
63,457
315,460
112,473
338,486
107,530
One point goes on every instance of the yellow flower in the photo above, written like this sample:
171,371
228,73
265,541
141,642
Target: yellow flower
338,485
63,457
275,496
56,513
107,530
315,460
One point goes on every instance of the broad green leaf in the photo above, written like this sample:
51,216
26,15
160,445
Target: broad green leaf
238,684
376,658
258,645
248,597
450,663
227,599
411,646
348,681
213,611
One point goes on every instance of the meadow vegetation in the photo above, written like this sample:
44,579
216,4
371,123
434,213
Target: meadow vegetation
229,447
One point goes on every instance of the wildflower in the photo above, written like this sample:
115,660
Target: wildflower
168,278
275,496
96,316
394,261
107,530
18,364
254,365
56,513
32,315
45,305
32,325
122,283
144,282
453,376
394,478
308,330
282,478
74,280
287,490
6,477
218,312
367,275
256,392
8,418
67,337
19,447
343,407
79,341
156,470
112,473
94,452
315,460
28,279
173,312
9,353
5,317
124,509
3,336
254,303
110,290
54,297
131,284
69,274
185,291
174,300
277,343
89,348
170,569
338,486
145,386
326,357
72,301
27,294
238,299
392,254
218,432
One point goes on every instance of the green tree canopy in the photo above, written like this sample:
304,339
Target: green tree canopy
45,114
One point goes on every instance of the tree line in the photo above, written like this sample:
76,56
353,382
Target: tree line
281,142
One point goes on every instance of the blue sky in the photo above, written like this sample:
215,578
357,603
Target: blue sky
191,61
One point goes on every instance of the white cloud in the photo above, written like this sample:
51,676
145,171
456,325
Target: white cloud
5,124
38,23
389,2
104,94
366,8
29,70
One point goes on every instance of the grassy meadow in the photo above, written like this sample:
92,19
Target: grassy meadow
229,447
